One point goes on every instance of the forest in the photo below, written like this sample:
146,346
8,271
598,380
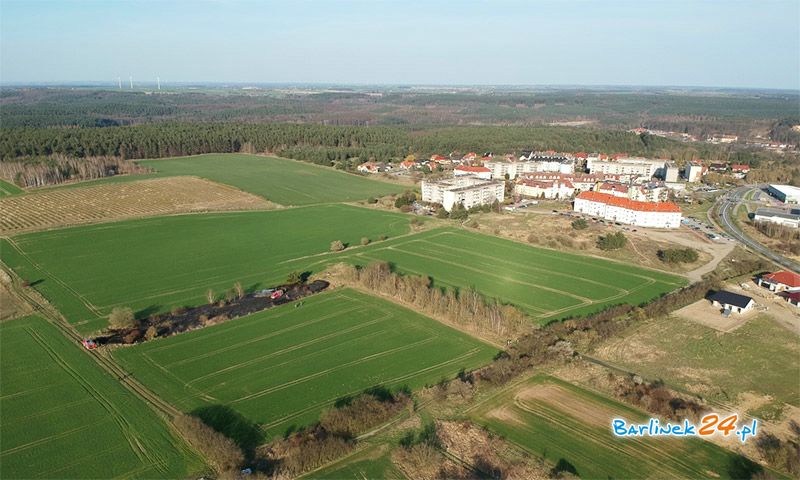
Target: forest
699,112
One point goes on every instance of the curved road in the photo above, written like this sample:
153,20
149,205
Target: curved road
727,210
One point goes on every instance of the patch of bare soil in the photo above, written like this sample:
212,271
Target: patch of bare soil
703,313
590,413
116,201
505,414
11,306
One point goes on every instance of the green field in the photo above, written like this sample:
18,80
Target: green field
559,421
279,368
7,188
156,263
61,416
372,462
547,284
286,182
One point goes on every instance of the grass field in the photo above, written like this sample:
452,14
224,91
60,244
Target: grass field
286,182
279,368
107,202
559,421
373,462
755,366
7,189
547,284
61,416
154,264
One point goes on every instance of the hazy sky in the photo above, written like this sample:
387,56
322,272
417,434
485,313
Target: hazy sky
693,43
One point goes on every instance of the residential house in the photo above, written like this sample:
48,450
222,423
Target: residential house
731,302
782,281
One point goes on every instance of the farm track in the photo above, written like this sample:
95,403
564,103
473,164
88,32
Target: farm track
46,311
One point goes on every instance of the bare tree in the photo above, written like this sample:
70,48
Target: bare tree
121,318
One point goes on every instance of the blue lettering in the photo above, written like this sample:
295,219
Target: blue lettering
747,431
619,427
688,428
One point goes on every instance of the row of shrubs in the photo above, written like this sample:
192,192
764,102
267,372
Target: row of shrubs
300,451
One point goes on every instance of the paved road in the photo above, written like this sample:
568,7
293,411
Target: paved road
727,210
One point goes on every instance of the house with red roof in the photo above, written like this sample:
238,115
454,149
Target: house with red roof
630,212
368,167
471,156
740,170
480,172
782,281
408,164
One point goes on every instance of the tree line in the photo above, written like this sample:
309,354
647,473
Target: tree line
465,307
324,144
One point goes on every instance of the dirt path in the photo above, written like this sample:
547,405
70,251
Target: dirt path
688,238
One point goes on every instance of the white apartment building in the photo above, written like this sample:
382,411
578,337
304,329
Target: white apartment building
630,212
514,169
467,190
644,167
556,188
694,172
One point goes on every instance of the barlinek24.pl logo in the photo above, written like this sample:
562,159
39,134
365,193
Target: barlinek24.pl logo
709,425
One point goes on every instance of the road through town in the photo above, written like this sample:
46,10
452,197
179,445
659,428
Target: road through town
726,206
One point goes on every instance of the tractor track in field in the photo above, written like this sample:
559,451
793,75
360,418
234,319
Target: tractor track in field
651,453
124,425
49,313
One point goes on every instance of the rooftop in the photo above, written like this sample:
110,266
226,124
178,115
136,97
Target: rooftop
785,277
776,212
729,298
787,189
609,199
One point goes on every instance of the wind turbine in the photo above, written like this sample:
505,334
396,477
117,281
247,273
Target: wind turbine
158,80
131,80
119,81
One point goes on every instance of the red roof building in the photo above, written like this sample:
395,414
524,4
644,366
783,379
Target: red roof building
480,172
631,212
781,281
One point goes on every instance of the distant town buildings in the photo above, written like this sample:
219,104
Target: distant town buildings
532,163
785,193
631,212
468,190
717,139
629,166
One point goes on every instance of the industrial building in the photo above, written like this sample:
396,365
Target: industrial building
785,193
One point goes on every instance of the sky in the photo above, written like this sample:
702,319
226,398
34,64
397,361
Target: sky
752,44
